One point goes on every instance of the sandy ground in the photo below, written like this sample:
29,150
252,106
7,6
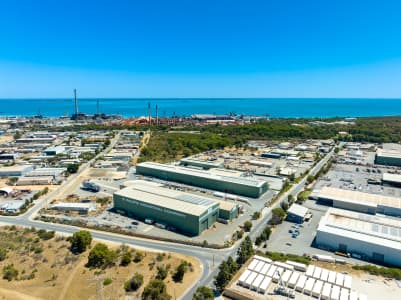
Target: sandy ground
62,275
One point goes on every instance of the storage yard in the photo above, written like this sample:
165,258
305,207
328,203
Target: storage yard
262,278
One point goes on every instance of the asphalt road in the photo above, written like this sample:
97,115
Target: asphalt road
208,258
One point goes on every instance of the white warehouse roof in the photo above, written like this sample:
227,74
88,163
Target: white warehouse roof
381,231
298,210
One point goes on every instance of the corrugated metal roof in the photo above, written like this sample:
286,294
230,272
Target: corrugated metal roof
204,174
169,199
382,231
361,198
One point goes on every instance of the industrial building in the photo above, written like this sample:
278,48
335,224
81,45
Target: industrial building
184,212
230,183
388,157
391,179
202,163
15,171
374,238
51,151
297,213
360,202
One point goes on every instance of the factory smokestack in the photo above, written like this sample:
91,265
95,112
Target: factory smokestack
76,103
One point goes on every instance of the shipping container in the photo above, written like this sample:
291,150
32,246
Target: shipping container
317,288
283,265
332,277
259,266
277,274
340,280
344,294
301,283
297,266
253,264
293,280
265,269
317,273
286,276
264,285
335,293
348,281
250,279
324,276
326,292
243,277
257,282
310,270
309,286
272,271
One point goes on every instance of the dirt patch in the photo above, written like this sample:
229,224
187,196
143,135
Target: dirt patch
48,270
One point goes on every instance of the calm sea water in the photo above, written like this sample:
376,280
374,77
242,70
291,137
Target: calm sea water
184,107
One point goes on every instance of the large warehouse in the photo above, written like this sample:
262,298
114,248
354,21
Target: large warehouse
187,213
388,157
249,187
361,202
374,238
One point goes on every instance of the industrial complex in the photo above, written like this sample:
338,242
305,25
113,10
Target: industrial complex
179,211
244,186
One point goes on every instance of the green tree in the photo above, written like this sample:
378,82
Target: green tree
155,290
278,215
101,256
72,168
134,283
256,215
247,226
223,277
310,179
80,241
203,293
245,251
126,258
138,256
180,271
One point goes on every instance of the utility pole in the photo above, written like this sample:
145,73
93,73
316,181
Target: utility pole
149,113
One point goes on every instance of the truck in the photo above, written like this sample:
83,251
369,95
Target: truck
90,186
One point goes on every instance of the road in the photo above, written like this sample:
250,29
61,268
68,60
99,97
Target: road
209,258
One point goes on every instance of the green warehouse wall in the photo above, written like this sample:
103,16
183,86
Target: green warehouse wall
185,223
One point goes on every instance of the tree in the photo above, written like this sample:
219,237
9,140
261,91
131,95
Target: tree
72,168
223,276
179,273
278,215
203,293
245,251
310,179
101,256
284,205
247,226
80,241
138,256
134,283
256,215
126,258
232,265
3,254
155,290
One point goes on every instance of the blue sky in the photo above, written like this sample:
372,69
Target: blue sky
208,48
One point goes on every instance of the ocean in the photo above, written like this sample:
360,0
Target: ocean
273,107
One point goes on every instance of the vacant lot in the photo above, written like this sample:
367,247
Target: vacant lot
47,269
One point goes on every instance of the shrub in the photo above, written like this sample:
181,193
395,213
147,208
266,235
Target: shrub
256,215
107,281
138,256
155,290
162,272
126,258
45,235
101,257
134,283
9,272
247,226
203,293
180,271
80,241
3,254
385,272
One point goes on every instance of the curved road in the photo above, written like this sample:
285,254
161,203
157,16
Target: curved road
209,258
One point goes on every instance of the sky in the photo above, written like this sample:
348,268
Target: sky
204,48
